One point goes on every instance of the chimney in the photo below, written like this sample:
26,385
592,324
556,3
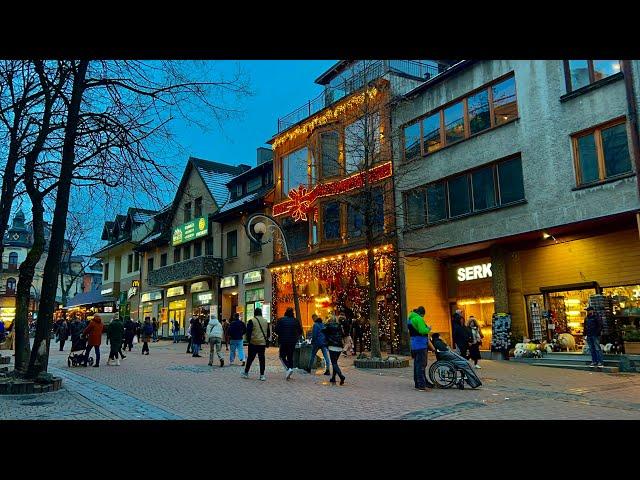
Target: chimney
264,155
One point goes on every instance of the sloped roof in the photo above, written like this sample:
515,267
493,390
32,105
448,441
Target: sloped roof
139,215
88,298
241,201
216,176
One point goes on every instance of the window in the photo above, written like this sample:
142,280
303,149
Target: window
378,210
479,114
585,72
237,191
436,202
454,123
294,170
208,246
355,219
197,248
176,255
197,207
136,262
504,101
150,265
268,177
232,244
431,137
329,149
484,192
510,181
412,141
13,261
416,208
602,153
187,212
129,263
296,233
254,246
11,285
163,260
106,271
459,199
186,252
331,220
254,184
364,132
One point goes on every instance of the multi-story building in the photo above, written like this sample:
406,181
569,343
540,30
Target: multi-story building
246,283
332,165
517,188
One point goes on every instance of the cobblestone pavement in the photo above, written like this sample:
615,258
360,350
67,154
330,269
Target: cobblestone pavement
168,384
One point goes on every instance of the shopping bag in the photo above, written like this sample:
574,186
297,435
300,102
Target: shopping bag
135,340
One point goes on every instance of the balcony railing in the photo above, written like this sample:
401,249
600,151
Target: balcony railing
9,267
342,88
185,270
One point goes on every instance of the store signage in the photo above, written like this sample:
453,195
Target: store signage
200,286
151,296
475,272
135,283
266,311
205,297
229,281
252,277
132,291
175,291
196,228
108,309
106,291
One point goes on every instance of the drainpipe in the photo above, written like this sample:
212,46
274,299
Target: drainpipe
633,115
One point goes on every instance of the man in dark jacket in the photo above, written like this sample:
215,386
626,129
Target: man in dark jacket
115,334
129,332
318,342
236,331
197,337
593,330
62,333
289,331
461,335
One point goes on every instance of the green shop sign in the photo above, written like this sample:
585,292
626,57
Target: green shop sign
196,228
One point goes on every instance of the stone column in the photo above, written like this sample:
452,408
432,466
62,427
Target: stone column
499,279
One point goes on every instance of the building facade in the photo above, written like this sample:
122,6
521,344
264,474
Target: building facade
517,193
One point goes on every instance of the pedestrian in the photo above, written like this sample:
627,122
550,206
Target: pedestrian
130,328
318,342
346,325
75,329
476,340
115,334
214,332
197,336
189,334
62,334
333,332
225,333
139,329
461,334
289,331
236,331
147,335
418,332
93,331
593,330
258,336
154,322
358,334
175,330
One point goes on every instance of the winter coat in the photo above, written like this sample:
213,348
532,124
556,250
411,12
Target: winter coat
418,331
288,330
130,329
440,345
115,332
346,326
461,335
62,331
358,328
94,332
318,337
592,326
76,329
254,333
197,333
147,332
333,333
214,329
237,329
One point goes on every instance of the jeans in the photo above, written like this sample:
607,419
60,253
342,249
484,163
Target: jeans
115,350
217,343
88,350
128,341
286,354
62,344
335,356
253,351
175,336
189,345
419,365
325,353
155,335
195,347
594,348
145,347
236,345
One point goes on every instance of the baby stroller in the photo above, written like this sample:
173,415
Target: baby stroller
451,369
76,356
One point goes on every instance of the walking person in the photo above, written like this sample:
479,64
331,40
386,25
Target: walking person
93,331
154,322
461,335
318,342
197,336
358,334
175,330
236,331
62,333
190,334
139,329
129,332
333,333
147,335
593,330
346,324
214,332
289,331
225,333
115,334
258,335
476,341
419,336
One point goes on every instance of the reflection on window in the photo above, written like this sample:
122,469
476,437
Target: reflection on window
459,200
616,150
329,148
294,170
511,182
412,141
415,204
484,192
588,158
504,101
355,218
296,233
479,115
586,72
331,221
436,202
431,132
454,123
364,132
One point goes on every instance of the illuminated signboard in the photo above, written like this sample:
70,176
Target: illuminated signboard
196,228
175,291
151,296
106,291
200,286
205,297
474,272
252,277
229,281
132,291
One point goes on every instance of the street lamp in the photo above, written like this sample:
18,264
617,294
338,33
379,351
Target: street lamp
260,228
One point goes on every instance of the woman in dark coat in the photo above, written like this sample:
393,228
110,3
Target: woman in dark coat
197,337
333,335
147,335
461,335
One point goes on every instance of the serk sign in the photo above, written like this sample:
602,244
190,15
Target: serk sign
474,272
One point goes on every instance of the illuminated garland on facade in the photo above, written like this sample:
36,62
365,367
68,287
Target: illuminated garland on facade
329,116
300,200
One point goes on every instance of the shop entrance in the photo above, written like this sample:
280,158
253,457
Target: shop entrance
253,299
177,311
229,305
481,308
567,309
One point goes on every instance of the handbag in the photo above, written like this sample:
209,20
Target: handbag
266,340
135,340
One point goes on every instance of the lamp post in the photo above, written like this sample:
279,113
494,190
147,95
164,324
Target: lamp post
260,229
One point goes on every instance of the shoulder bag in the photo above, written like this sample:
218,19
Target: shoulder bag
266,340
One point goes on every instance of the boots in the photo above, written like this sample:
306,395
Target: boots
221,362
327,372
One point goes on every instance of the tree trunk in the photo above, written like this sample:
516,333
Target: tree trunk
373,306
8,188
39,361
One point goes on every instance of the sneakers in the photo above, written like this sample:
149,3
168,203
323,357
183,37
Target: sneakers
289,373
477,366
210,364
263,378
124,356
600,365
109,362
244,375
592,364
117,362
327,372
421,389
221,362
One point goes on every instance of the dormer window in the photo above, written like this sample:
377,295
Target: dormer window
238,190
254,184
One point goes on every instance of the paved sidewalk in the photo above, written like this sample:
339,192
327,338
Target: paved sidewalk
168,384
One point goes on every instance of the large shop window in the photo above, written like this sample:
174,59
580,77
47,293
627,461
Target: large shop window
602,153
488,187
232,244
586,72
297,234
331,220
329,148
294,170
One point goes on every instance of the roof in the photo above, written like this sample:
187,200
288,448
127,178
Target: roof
88,298
216,176
331,72
150,238
259,168
462,64
139,215
241,201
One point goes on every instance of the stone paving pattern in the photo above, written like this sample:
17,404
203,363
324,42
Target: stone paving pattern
169,384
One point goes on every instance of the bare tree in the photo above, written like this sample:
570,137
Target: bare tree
77,231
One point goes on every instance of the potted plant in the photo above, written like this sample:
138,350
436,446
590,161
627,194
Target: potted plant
631,340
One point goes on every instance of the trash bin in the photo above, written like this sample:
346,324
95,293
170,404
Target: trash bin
302,354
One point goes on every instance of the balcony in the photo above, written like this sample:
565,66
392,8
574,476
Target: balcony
205,266
9,267
340,86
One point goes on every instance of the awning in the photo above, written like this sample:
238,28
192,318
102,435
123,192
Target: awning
88,298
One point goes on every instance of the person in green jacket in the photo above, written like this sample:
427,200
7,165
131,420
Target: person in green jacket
115,334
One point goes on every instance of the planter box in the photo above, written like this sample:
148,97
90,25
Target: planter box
632,348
